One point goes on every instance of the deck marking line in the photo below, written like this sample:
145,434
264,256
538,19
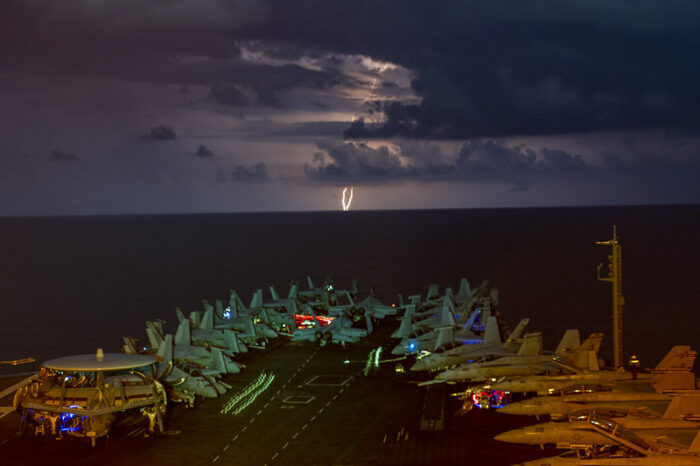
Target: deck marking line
275,455
295,435
244,428
304,426
266,405
234,438
259,412
313,418
285,445
215,459
251,421
320,411
226,447
328,403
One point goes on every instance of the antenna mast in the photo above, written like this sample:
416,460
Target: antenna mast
618,301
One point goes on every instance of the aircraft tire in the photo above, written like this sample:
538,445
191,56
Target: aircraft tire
26,428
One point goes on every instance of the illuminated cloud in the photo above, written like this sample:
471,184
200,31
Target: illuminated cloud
482,161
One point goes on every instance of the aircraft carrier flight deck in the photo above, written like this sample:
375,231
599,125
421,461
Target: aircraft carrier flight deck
295,403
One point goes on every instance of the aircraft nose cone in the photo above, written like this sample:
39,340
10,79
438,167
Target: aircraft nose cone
511,436
448,375
513,408
418,366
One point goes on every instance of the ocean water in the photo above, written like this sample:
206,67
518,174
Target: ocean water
70,285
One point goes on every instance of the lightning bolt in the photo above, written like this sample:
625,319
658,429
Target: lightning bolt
346,205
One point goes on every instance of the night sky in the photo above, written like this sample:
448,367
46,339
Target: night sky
179,106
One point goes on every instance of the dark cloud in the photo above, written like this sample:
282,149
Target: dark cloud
159,133
486,161
355,162
253,173
62,156
480,69
503,68
227,95
203,151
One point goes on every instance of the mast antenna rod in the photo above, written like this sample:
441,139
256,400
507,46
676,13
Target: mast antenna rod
614,276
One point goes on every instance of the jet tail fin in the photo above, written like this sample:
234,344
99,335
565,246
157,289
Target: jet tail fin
682,406
519,330
571,339
492,334
405,328
465,291
129,346
446,316
293,291
155,334
310,283
207,322
531,345
273,293
445,335
235,304
433,292
217,361
180,315
182,336
675,371
256,301
165,351
231,342
585,357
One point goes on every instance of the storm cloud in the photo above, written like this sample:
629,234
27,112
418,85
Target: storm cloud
487,161
481,69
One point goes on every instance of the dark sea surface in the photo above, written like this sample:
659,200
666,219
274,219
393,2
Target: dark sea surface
70,285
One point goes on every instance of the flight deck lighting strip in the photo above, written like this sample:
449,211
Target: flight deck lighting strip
248,395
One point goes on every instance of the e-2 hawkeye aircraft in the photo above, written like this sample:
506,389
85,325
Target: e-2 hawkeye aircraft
81,395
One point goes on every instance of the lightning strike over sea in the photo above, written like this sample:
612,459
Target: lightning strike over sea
346,204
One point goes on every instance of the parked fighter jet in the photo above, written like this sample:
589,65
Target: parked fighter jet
632,449
184,351
340,330
626,397
244,321
673,372
527,361
425,339
410,324
453,354
372,306
187,380
323,295
204,334
576,429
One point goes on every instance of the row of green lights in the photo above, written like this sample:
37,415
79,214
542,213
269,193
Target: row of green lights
243,393
252,390
256,394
